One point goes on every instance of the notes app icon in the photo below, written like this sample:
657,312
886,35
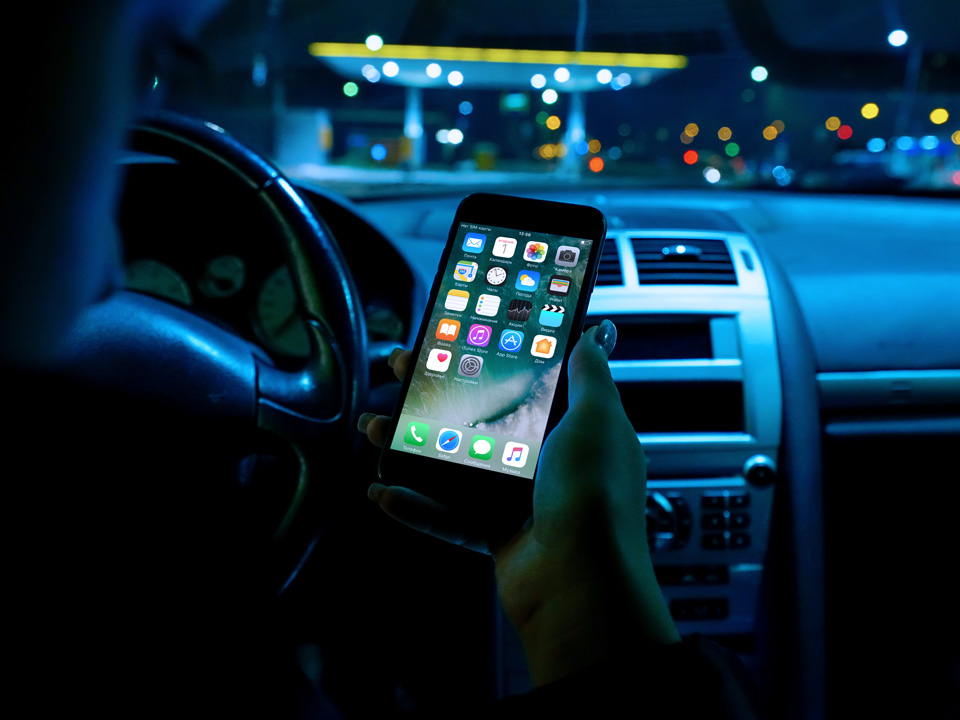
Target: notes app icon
457,300
515,454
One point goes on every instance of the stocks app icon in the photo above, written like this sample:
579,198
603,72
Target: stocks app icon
519,310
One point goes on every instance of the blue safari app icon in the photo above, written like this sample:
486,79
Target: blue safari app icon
474,242
511,340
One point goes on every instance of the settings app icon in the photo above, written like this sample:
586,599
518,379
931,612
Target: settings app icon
470,365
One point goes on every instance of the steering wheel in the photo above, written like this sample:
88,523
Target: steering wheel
166,356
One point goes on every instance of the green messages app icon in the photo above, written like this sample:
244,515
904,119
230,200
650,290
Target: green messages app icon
416,433
481,447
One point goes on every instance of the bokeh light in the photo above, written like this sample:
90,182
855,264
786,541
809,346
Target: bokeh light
614,153
378,152
844,132
548,151
685,139
581,147
690,157
434,70
939,116
443,136
876,145
748,95
549,96
455,78
732,149
759,73
769,132
724,133
370,73
898,38
832,123
956,137
538,81
542,117
390,68
373,42
593,146
870,111
561,74
350,89
956,178
691,129
604,76
904,142
712,175
929,142
455,137
777,125
553,122
596,164
466,107
561,149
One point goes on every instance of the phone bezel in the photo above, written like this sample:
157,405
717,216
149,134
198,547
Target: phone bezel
517,213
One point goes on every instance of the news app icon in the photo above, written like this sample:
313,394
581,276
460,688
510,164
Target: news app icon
448,440
559,285
479,335
448,329
568,255
551,315
465,271
474,242
543,346
519,310
515,454
527,280
504,247
457,300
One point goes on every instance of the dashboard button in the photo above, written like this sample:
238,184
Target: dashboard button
739,520
713,541
711,521
713,502
738,541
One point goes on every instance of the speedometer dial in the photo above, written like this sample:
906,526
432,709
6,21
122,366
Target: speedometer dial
278,320
156,278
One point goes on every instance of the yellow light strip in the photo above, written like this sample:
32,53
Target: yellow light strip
498,55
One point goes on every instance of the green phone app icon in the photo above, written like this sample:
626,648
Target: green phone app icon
481,447
416,433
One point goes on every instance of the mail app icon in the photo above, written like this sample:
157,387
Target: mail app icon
474,242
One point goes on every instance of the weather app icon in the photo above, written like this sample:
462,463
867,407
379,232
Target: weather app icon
527,280
511,340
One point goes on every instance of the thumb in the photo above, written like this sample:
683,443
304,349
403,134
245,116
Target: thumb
588,371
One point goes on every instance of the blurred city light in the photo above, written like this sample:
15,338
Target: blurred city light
374,42
844,132
904,143
370,73
466,107
870,111
350,89
538,81
561,74
956,137
690,157
769,132
455,137
724,133
553,122
939,116
748,95
378,152
548,151
732,149
711,174
833,122
623,130
876,145
956,178
759,73
779,172
593,146
777,125
929,142
413,130
604,76
434,70
542,117
691,129
561,150
685,139
455,78
549,96
898,38
390,68
623,79
581,147
596,164
614,153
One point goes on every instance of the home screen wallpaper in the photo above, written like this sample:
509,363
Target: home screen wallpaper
486,375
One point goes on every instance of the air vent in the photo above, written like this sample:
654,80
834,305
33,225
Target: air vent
683,261
610,272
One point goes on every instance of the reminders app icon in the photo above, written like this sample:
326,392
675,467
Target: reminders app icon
474,242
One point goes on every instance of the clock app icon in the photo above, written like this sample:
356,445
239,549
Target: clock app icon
496,275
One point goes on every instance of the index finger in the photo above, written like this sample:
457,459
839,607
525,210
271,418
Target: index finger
399,360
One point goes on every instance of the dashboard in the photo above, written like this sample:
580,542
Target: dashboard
791,364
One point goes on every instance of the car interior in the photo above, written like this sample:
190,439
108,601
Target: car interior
788,353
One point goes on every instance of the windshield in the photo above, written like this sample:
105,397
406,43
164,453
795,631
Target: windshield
416,95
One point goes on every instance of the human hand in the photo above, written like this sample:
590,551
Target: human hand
576,581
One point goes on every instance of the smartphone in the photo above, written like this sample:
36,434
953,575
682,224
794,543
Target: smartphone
488,374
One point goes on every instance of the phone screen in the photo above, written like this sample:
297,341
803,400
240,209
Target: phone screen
484,380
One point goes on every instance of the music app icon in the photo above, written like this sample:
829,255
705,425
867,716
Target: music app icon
479,335
515,454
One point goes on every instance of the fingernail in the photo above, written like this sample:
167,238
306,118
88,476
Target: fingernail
606,336
375,491
364,420
393,356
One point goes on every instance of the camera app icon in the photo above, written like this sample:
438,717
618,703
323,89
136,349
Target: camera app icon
567,255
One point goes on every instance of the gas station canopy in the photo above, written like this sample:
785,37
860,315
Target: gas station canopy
426,66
